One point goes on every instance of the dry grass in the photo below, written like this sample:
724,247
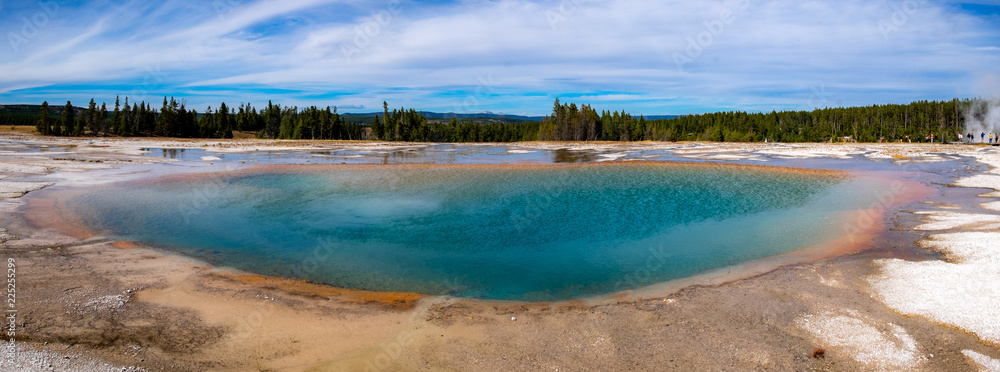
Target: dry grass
22,130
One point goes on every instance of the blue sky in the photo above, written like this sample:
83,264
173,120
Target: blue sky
510,56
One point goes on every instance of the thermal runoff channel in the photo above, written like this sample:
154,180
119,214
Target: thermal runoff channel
495,232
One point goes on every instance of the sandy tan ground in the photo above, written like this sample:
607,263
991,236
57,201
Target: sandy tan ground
103,305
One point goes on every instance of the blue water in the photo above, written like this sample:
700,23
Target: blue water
534,233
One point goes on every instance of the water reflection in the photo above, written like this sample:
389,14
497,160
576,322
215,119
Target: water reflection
166,153
573,156
171,153
407,156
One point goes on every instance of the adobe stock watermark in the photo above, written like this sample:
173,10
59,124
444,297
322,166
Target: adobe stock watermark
199,199
643,275
372,27
522,219
561,13
223,7
885,199
393,348
153,79
868,218
323,254
31,25
900,16
389,350
486,88
714,29
820,98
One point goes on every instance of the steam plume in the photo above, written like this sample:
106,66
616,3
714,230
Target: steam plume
983,117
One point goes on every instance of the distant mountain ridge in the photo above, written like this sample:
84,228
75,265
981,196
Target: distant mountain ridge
449,115
34,109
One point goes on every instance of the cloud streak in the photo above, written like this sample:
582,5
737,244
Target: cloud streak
754,55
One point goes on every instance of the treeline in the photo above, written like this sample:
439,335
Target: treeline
174,119
916,121
22,115
412,126
17,119
571,123
130,120
69,124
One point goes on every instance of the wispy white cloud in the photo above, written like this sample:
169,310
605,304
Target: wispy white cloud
646,57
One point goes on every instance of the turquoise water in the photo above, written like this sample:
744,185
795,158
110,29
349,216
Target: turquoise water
497,232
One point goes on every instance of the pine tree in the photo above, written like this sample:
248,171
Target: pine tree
241,117
116,120
225,122
193,123
103,119
136,120
162,119
206,125
68,119
44,126
337,127
91,118
377,128
272,120
125,123
289,119
185,126
148,119
388,129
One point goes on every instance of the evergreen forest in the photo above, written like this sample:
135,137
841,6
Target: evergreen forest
916,122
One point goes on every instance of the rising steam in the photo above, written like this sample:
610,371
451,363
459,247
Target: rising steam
983,117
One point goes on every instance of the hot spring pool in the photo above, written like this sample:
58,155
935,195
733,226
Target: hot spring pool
535,233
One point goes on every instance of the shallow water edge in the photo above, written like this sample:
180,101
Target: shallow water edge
851,233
